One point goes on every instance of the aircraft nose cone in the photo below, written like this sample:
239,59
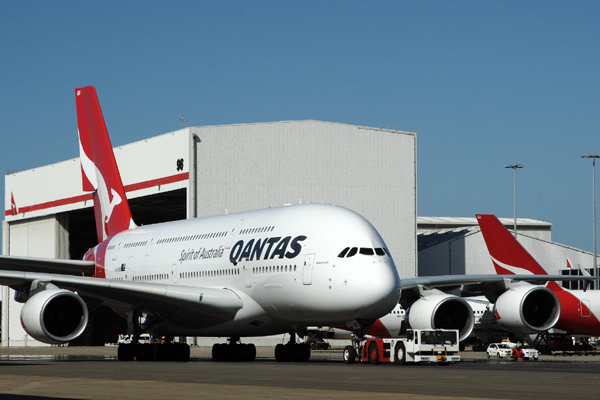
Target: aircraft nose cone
381,289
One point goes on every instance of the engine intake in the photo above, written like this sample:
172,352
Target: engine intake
527,309
54,316
442,311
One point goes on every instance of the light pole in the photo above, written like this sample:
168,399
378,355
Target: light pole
514,168
593,157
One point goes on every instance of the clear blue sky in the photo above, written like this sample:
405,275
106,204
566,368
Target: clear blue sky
484,84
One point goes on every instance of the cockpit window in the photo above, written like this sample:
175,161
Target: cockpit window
343,253
366,251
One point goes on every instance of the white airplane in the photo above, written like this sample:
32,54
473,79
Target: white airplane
239,275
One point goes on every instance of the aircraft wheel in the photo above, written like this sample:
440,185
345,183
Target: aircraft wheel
349,355
374,354
126,352
183,352
143,352
279,353
400,354
217,354
158,352
304,352
250,353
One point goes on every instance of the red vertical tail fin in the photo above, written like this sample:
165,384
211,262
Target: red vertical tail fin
99,168
508,256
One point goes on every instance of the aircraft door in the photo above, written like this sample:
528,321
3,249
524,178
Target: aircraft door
150,244
174,272
233,234
246,272
586,308
118,247
307,270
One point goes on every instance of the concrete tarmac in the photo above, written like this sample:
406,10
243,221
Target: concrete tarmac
95,373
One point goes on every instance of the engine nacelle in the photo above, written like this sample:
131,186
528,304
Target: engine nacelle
54,316
527,309
442,311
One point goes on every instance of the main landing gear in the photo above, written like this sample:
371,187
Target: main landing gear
292,351
234,350
166,351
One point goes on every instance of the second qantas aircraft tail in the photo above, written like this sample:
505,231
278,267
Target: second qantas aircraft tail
99,168
508,256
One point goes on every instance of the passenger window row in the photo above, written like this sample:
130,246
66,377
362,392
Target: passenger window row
256,230
192,237
209,274
274,269
147,278
135,244
365,251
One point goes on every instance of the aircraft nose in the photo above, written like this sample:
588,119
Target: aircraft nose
381,289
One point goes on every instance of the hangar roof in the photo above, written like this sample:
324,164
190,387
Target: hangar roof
434,230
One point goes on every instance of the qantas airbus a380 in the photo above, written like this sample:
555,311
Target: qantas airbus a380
239,275
246,274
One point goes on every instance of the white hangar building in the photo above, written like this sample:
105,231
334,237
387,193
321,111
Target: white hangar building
455,246
203,171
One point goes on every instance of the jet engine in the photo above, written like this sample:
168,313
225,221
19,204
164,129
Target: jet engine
527,309
54,316
442,311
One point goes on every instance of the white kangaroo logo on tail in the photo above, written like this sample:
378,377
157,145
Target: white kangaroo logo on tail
106,204
111,206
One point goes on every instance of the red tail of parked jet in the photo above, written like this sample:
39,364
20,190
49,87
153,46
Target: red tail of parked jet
99,168
508,256
579,309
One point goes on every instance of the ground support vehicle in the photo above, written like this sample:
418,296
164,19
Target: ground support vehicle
499,350
561,344
420,345
524,353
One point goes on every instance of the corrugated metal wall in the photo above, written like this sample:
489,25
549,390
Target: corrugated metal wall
371,171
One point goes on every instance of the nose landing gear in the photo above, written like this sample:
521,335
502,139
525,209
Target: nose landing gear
352,352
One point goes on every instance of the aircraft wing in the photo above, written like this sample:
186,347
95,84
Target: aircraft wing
442,281
490,285
47,265
194,307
